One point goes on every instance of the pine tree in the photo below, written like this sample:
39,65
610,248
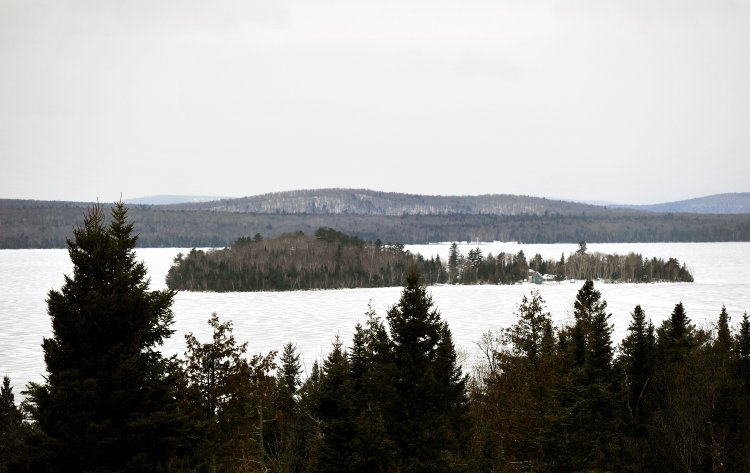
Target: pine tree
107,403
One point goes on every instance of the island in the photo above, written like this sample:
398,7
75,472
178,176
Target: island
331,259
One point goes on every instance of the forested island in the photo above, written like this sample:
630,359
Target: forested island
546,398
333,260
329,260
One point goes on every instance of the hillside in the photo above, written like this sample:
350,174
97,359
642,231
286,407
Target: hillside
170,199
46,224
367,202
732,203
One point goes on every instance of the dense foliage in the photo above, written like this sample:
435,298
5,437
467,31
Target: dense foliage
675,398
330,260
545,399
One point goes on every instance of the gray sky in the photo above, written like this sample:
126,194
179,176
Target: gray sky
635,101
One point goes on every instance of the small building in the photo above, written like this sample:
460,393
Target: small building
536,278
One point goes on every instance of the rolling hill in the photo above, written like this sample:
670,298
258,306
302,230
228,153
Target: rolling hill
368,202
730,203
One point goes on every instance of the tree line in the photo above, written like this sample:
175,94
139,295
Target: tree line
31,224
545,398
507,268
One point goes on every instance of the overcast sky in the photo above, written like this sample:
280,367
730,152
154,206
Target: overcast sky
633,101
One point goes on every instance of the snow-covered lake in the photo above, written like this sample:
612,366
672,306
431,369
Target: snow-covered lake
312,319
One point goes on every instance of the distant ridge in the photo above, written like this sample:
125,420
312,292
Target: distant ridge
372,215
730,203
368,202
170,199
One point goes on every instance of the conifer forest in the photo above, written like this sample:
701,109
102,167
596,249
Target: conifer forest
391,396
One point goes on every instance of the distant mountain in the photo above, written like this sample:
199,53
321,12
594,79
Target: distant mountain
171,199
733,203
44,224
368,202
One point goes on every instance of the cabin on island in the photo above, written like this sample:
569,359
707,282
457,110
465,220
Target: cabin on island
536,278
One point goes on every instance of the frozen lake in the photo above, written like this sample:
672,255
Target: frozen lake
311,319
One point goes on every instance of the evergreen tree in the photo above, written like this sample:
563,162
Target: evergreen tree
358,358
742,344
684,392
226,397
425,415
288,443
637,361
289,375
676,336
591,336
453,257
515,390
532,333
588,434
723,342
11,428
560,273
371,369
107,403
334,409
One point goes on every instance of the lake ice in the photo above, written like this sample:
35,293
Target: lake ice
312,319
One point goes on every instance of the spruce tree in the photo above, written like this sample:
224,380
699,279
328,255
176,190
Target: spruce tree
723,342
225,393
334,409
591,412
425,418
592,333
453,257
11,428
676,336
742,344
637,360
371,369
531,335
289,376
107,403
288,443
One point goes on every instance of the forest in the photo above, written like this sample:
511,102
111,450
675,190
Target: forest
334,260
294,261
546,398
33,224
505,268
